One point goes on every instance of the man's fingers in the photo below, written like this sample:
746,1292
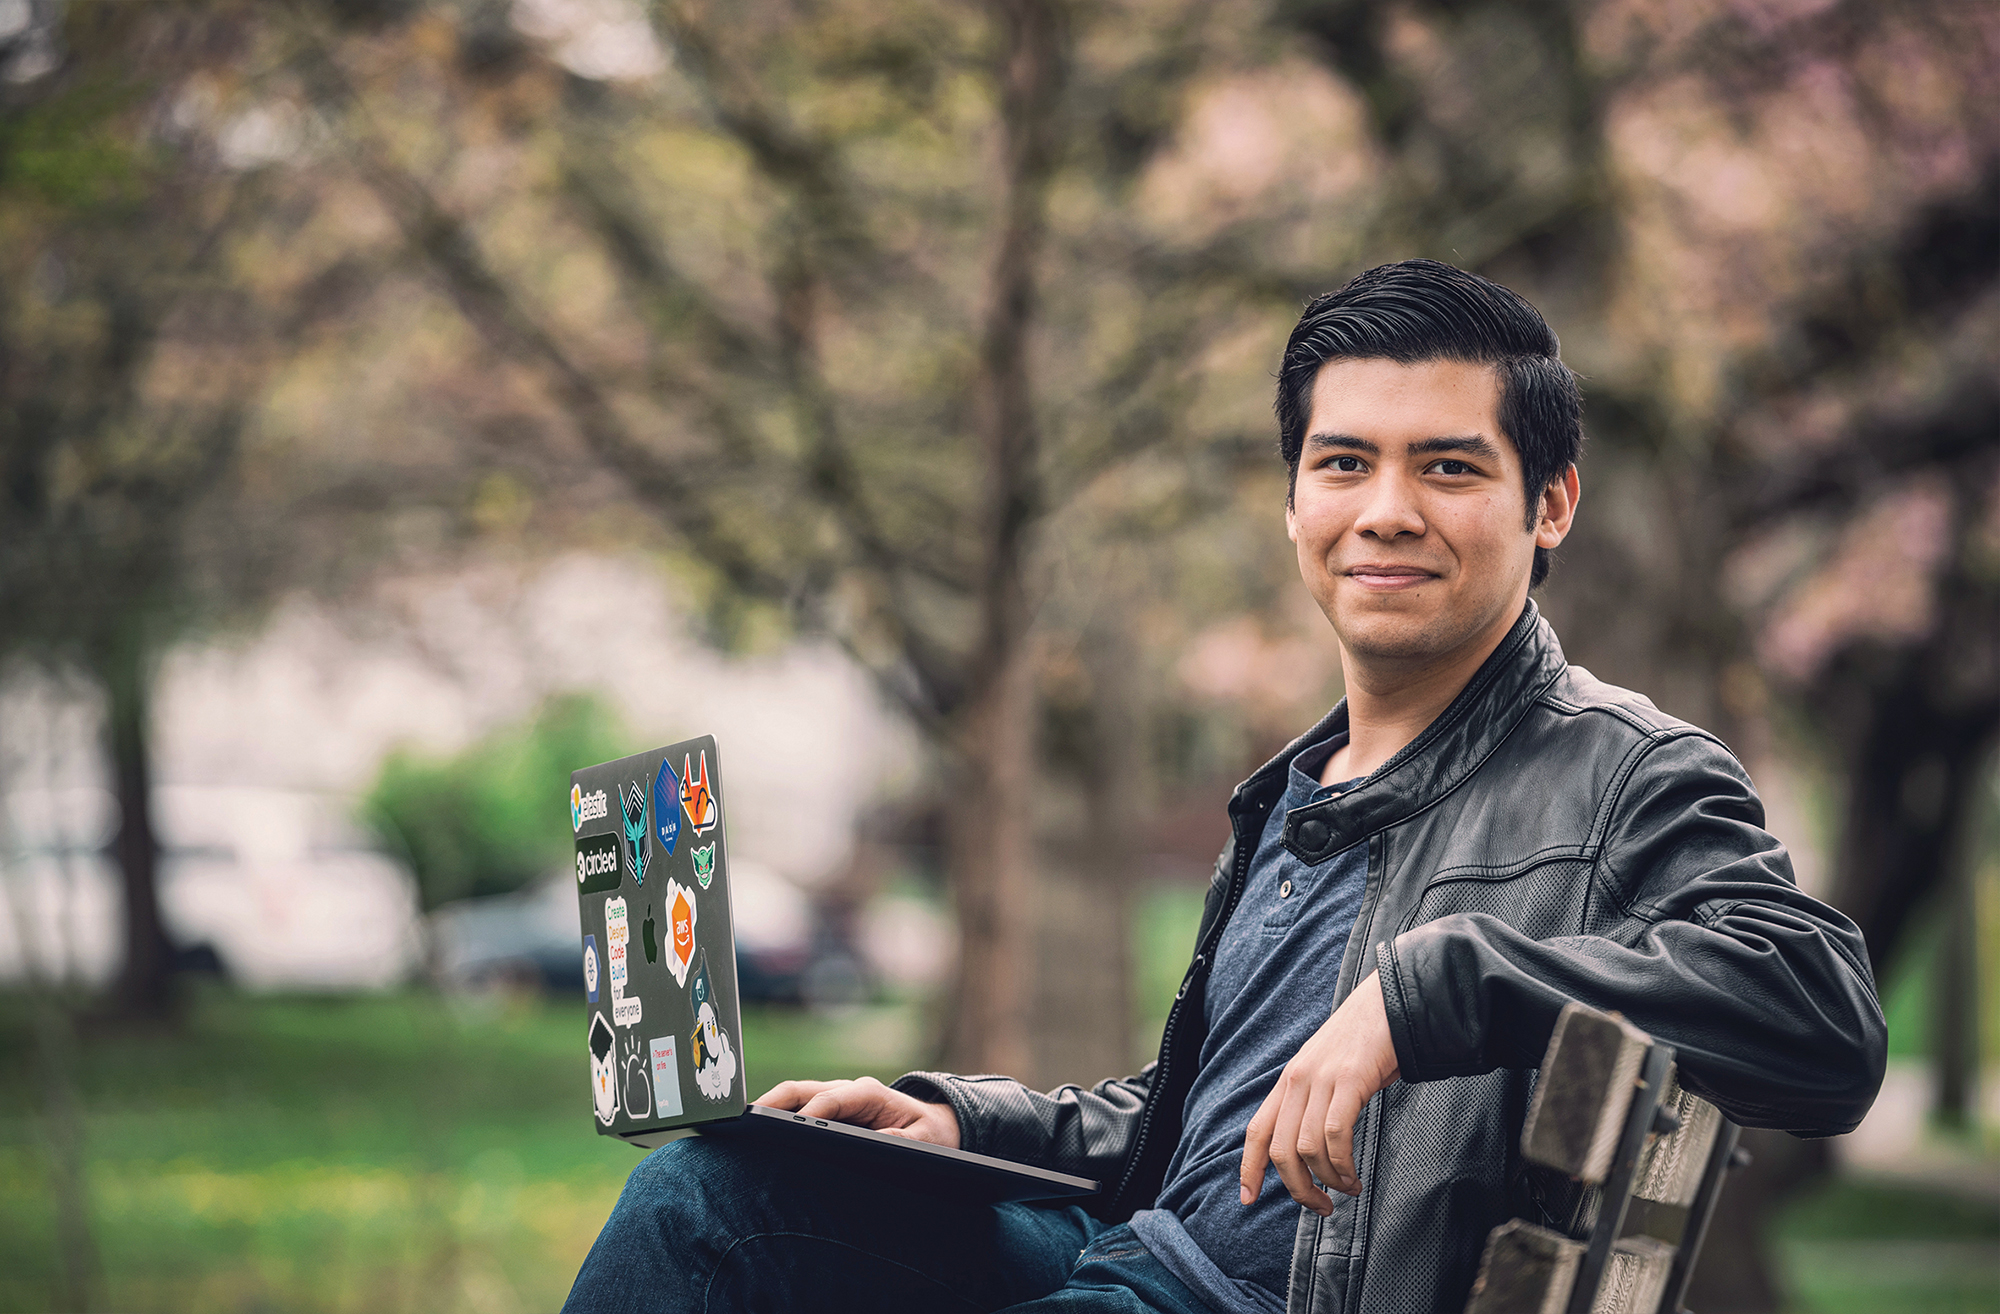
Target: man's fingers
847,1102
790,1095
1257,1150
1292,1169
1342,1112
1312,1134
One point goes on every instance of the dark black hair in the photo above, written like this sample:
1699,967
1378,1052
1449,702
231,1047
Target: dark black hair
1421,310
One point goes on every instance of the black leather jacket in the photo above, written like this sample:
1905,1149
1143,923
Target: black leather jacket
1548,838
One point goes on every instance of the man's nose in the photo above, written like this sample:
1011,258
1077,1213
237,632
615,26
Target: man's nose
1391,507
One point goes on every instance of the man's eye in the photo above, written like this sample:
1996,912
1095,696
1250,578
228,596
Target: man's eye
1453,468
1347,464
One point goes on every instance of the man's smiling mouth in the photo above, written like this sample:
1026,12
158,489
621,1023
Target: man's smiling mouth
1388,576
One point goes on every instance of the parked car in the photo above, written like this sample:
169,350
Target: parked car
275,889
533,937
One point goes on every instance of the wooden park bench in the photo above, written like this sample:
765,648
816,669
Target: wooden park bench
1648,1160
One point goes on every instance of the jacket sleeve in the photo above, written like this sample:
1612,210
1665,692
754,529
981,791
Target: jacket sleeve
1764,992
1086,1133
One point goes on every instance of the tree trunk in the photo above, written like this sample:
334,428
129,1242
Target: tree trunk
1083,1012
144,985
991,840
1954,992
991,849
76,1248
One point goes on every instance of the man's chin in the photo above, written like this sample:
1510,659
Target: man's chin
1392,638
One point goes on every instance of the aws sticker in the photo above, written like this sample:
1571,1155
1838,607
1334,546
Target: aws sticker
697,799
603,1068
591,967
704,864
666,1076
714,1056
638,845
597,864
666,809
680,929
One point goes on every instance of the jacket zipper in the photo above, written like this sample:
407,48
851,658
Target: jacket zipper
1174,1015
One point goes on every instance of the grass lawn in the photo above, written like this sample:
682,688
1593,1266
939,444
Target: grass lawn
410,1152
1858,1247
367,1154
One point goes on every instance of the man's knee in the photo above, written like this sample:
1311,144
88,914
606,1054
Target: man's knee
698,1177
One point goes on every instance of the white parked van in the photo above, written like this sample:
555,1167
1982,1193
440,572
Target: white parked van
282,886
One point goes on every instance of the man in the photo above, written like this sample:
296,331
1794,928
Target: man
1476,835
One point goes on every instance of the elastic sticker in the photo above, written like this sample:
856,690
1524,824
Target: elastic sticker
603,1068
583,807
666,816
680,929
591,967
666,1076
697,799
597,864
704,864
715,1057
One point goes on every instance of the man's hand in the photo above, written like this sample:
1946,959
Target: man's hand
867,1103
1306,1126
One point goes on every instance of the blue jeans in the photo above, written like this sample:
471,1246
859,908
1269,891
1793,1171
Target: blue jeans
709,1226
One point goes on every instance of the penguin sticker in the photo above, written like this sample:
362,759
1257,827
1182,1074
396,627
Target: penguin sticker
603,1068
714,1057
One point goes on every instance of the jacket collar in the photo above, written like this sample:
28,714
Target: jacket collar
1429,766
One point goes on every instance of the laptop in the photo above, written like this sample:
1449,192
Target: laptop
661,1011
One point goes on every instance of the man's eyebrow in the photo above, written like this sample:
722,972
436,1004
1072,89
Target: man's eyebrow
1470,444
1343,440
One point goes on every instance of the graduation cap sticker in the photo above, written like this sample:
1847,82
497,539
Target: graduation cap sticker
603,1068
714,1056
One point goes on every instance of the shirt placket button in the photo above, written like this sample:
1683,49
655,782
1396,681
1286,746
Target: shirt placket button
1285,890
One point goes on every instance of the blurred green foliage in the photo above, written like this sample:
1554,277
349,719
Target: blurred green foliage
489,818
72,151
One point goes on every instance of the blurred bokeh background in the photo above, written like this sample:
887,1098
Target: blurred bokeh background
403,402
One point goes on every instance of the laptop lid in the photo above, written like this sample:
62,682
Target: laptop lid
661,1013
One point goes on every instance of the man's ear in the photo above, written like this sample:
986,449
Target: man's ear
1291,519
1558,510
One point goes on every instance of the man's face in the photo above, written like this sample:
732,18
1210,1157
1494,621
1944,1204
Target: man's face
1409,511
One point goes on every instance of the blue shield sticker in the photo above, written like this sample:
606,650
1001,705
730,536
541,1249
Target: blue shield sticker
666,810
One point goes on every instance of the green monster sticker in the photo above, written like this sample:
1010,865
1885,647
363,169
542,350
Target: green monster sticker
704,864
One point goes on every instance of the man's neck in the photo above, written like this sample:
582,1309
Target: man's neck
1390,703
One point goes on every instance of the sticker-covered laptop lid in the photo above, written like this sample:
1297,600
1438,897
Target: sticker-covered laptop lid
659,962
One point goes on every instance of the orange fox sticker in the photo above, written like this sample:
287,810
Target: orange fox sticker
697,799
